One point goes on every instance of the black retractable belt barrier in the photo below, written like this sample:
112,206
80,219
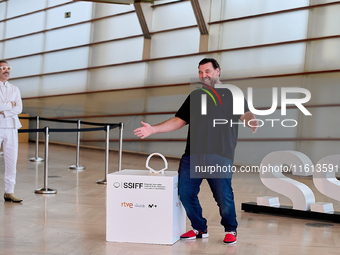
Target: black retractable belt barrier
36,158
47,130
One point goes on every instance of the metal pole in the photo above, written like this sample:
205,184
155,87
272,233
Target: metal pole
77,166
107,146
36,158
46,190
121,128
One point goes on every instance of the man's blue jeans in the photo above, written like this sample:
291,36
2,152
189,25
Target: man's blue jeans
221,188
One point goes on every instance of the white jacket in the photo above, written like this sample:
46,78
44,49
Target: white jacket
10,114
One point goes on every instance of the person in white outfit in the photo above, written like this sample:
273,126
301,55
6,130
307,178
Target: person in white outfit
10,107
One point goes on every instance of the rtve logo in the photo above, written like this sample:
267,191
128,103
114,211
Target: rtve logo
124,204
238,99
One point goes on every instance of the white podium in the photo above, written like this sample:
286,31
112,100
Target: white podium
144,208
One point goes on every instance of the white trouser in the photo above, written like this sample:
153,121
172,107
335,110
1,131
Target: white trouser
9,141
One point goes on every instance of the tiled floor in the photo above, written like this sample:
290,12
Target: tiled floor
73,220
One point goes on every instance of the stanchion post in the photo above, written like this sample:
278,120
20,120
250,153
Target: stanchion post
77,166
121,129
36,158
45,189
107,146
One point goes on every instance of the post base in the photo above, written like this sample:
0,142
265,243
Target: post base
36,159
102,182
45,191
74,167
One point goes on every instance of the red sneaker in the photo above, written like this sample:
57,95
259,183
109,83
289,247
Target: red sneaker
230,237
193,234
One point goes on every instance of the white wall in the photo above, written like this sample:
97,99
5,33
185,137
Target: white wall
115,45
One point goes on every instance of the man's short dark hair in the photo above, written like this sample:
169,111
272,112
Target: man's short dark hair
209,60
3,61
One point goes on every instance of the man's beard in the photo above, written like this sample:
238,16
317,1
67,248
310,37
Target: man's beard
209,81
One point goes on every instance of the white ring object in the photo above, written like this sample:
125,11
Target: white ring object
152,171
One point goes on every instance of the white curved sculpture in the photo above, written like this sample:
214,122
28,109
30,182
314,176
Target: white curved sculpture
324,176
271,176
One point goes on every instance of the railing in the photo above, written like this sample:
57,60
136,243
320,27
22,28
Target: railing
104,126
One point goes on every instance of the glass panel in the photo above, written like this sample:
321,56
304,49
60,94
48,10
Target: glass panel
57,2
156,97
315,2
316,150
263,61
173,16
324,88
1,50
80,11
323,55
104,9
325,21
125,76
269,29
322,123
14,27
28,87
169,71
214,37
19,7
265,85
68,37
240,8
2,11
2,29
175,43
24,46
66,60
63,83
25,66
165,1
112,28
117,52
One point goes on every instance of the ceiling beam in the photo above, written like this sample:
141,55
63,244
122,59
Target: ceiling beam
118,1
199,17
142,21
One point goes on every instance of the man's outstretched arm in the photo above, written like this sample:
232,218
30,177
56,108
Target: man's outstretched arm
166,126
249,118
